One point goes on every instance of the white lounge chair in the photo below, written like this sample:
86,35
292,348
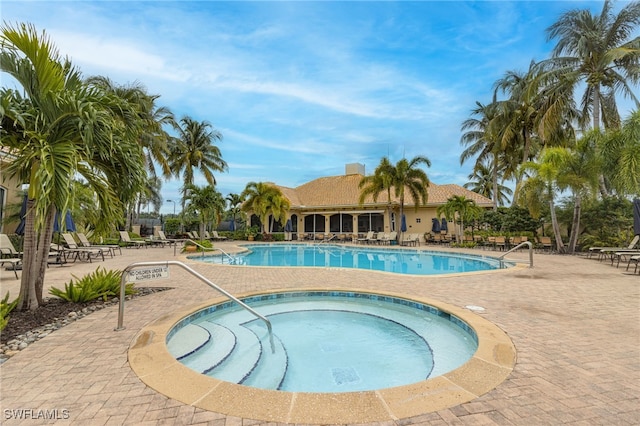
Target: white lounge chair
603,251
124,236
111,248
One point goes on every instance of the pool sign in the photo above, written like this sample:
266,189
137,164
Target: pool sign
153,273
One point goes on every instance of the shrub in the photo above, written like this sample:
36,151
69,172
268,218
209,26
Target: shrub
99,284
5,310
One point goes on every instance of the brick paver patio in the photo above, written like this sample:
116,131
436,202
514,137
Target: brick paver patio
575,323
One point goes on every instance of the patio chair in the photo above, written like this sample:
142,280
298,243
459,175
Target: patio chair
603,251
634,259
124,237
216,237
111,248
14,261
544,243
163,238
7,248
366,238
81,253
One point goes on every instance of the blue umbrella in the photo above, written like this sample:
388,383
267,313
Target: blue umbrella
435,227
636,216
403,224
444,227
69,224
232,225
23,213
288,227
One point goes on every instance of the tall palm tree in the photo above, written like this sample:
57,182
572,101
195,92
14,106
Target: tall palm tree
56,128
408,177
195,150
481,182
482,141
597,50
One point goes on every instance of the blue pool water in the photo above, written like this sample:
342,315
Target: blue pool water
401,261
324,341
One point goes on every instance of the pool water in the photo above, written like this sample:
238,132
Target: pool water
323,342
402,261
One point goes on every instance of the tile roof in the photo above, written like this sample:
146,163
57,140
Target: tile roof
333,191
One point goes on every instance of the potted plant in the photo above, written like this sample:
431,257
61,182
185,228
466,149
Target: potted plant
251,232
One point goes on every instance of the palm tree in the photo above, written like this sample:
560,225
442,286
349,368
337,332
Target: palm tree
481,182
195,150
234,205
481,139
597,50
620,153
380,181
542,184
403,176
279,206
206,203
57,128
465,208
259,199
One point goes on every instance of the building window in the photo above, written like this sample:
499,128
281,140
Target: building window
418,220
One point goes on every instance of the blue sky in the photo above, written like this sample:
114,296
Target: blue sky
299,89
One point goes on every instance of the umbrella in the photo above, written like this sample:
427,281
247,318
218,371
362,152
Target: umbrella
403,224
636,216
444,227
23,213
288,227
232,225
69,224
435,228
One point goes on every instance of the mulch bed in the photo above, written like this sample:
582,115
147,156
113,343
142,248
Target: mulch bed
54,310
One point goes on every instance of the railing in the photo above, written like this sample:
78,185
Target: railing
522,244
132,266
227,255
197,245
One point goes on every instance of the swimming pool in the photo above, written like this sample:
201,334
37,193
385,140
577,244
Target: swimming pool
324,342
400,261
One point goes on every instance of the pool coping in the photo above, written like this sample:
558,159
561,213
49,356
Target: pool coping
490,365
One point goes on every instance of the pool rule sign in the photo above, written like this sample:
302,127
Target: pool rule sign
150,273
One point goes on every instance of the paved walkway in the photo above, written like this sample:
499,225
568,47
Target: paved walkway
574,321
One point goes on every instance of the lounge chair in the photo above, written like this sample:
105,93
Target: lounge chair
163,238
328,238
7,249
81,253
214,236
602,251
366,239
634,259
124,237
111,248
411,240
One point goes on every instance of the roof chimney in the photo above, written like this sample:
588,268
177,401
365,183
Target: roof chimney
354,169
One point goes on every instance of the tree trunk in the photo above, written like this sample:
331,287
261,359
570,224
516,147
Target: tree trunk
556,227
28,298
575,224
494,178
604,191
44,243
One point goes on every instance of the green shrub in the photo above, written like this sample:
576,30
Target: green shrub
5,310
98,284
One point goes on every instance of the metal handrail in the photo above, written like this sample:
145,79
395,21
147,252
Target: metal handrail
524,243
132,266
197,245
231,259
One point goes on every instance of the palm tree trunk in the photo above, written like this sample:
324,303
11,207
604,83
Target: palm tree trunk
44,242
575,224
556,227
494,178
596,126
28,298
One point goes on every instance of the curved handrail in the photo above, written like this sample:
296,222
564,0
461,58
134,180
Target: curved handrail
196,274
524,243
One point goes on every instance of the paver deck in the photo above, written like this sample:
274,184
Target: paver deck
575,323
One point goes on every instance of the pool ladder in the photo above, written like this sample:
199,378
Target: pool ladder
167,263
522,244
